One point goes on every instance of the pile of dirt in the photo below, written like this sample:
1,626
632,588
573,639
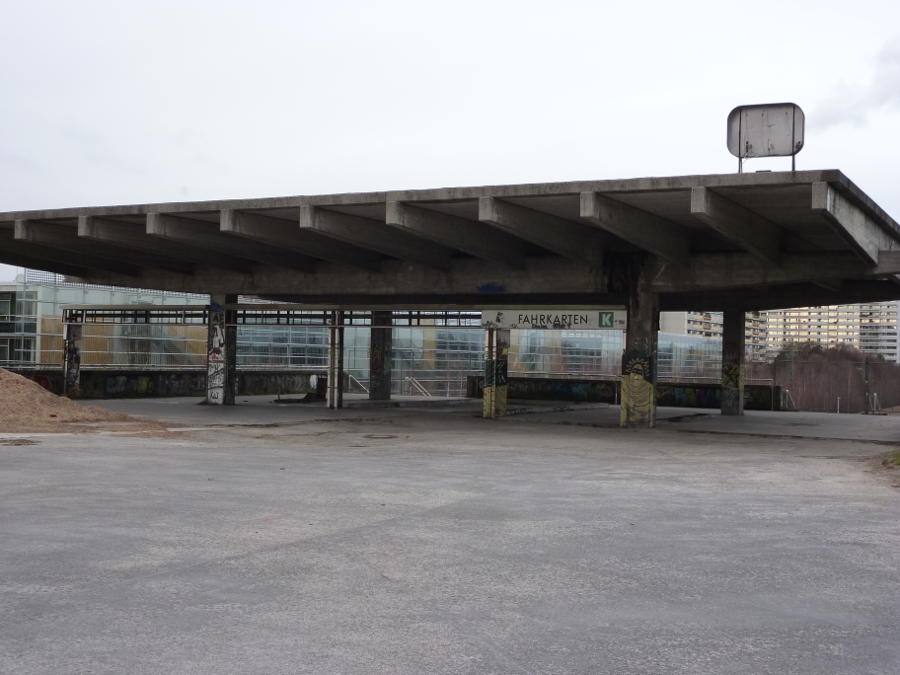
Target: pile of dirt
25,405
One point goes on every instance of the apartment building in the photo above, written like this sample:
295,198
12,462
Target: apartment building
709,325
869,327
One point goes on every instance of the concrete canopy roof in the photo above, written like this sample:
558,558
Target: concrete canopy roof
737,241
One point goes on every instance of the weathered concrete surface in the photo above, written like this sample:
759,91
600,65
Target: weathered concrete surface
381,340
735,241
733,357
437,542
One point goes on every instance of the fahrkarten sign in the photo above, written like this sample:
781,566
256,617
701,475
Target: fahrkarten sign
603,318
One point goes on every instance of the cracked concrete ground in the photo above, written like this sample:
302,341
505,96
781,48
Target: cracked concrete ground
425,540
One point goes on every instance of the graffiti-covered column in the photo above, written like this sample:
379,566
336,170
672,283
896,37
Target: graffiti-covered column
335,392
72,334
380,353
638,398
733,363
496,366
221,351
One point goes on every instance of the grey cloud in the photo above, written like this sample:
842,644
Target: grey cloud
851,103
885,91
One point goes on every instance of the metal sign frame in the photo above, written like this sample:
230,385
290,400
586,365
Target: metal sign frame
766,130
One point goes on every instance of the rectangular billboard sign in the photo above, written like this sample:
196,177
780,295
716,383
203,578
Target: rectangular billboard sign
601,318
769,130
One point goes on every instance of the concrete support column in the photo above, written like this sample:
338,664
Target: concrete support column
335,393
72,359
638,400
496,365
380,354
733,363
221,351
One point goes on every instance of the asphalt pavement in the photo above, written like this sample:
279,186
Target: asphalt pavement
421,539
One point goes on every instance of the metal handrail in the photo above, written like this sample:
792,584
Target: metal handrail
415,384
358,383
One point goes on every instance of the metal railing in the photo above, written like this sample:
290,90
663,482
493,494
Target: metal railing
417,386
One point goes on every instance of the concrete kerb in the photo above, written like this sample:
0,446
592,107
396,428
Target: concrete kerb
261,411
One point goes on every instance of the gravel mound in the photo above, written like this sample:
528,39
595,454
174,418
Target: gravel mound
25,404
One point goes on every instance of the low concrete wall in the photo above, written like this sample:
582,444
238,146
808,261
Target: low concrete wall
684,395
189,382
549,389
681,395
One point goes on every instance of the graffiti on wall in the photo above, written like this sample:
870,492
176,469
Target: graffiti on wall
562,390
756,397
688,396
215,358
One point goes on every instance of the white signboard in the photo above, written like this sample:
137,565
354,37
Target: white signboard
769,130
603,318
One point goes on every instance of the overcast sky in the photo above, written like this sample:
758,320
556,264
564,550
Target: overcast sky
127,102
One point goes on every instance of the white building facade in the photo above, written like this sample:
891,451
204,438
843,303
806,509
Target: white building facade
869,327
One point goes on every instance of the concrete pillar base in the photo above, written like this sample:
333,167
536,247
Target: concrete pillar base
335,390
733,363
380,355
638,397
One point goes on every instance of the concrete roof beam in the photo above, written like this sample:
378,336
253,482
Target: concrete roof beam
780,297
751,236
710,271
29,240
835,285
853,224
13,252
65,238
468,276
639,228
888,263
134,236
457,233
571,240
204,236
46,264
285,235
745,228
370,234
131,240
